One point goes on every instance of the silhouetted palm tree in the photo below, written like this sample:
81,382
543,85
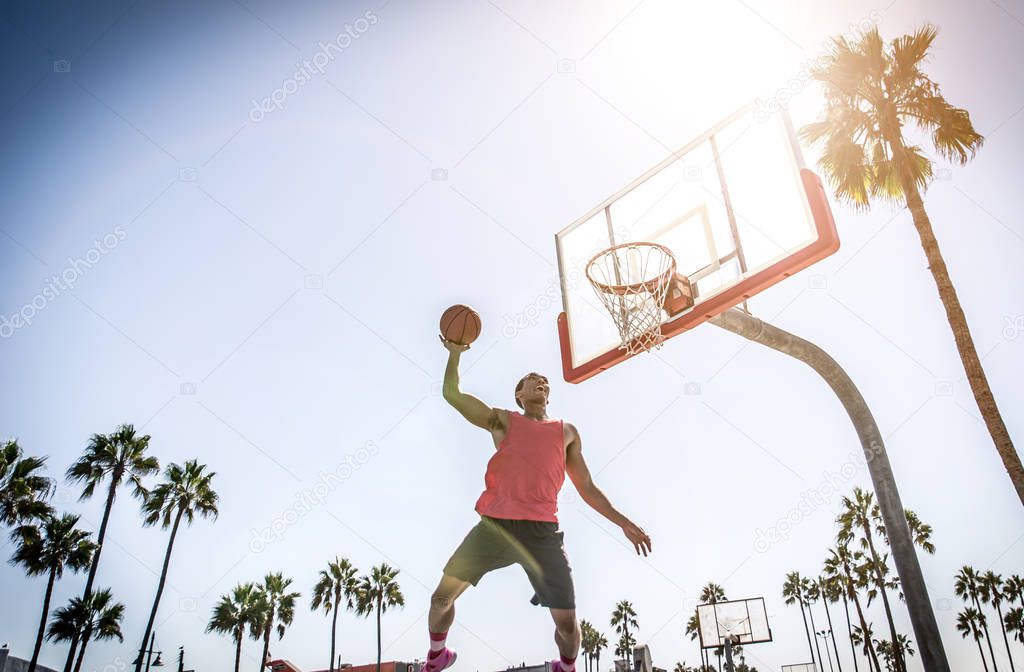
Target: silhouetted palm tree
337,586
96,617
992,593
185,492
872,90
49,548
838,566
115,459
241,610
968,586
24,490
377,592
280,609
624,618
793,593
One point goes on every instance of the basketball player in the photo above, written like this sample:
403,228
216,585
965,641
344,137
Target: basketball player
518,521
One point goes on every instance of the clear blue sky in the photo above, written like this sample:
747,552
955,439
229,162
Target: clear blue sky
268,295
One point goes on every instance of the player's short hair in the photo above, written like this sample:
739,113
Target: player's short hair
519,385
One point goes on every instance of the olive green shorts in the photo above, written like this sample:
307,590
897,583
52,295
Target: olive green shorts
534,545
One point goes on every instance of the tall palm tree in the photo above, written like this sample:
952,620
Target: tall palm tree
856,522
600,644
587,636
829,592
185,491
241,610
810,591
967,624
24,490
968,586
892,653
1014,622
377,592
838,567
872,91
693,632
337,585
1014,589
280,609
116,459
50,547
793,593
624,618
96,617
992,593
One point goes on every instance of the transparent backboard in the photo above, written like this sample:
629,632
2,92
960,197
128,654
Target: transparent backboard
800,667
737,209
745,619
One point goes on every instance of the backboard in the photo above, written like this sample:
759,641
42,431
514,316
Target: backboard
736,207
800,667
745,619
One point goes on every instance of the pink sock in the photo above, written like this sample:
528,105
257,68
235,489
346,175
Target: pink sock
437,641
568,664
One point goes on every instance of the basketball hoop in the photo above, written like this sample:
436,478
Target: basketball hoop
632,281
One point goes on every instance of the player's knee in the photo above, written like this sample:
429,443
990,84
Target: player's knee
567,625
441,601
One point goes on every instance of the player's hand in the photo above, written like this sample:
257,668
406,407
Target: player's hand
452,346
641,540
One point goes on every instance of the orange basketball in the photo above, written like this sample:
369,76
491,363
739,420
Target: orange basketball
460,324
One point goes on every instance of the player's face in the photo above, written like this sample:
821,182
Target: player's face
535,389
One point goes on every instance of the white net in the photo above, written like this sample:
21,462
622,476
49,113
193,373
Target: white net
632,280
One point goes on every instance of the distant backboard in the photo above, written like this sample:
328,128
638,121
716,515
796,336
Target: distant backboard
737,209
745,619
800,667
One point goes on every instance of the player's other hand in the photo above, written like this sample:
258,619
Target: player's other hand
641,540
452,346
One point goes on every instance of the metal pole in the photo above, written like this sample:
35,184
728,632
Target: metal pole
926,630
728,654
149,654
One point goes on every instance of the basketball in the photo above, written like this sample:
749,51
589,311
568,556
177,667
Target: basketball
460,324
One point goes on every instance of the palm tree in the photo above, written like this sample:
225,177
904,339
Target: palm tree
693,631
337,584
120,459
967,625
856,520
838,567
280,609
96,617
871,92
895,654
829,591
968,587
810,591
241,610
185,492
56,546
600,644
1014,622
793,592
24,491
992,593
623,618
588,635
377,592
1014,589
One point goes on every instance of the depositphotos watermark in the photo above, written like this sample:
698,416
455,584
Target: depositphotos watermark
310,67
308,499
57,284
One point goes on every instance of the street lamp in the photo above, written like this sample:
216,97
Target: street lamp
149,655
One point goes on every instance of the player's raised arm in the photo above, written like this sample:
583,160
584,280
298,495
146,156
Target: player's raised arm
578,471
471,408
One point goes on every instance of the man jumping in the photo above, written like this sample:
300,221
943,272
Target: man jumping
518,511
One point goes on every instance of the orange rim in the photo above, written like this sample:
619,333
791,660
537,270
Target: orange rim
644,285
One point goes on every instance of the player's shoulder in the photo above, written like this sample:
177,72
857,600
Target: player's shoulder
570,429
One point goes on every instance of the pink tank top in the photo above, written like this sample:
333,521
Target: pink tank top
527,471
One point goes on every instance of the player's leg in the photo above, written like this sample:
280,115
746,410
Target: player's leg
442,603
567,637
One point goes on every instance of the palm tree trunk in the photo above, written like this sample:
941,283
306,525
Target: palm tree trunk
832,632
334,630
160,587
42,621
100,536
999,612
865,630
981,651
238,648
814,629
964,342
849,632
81,650
378,634
267,627
876,569
807,632
984,626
